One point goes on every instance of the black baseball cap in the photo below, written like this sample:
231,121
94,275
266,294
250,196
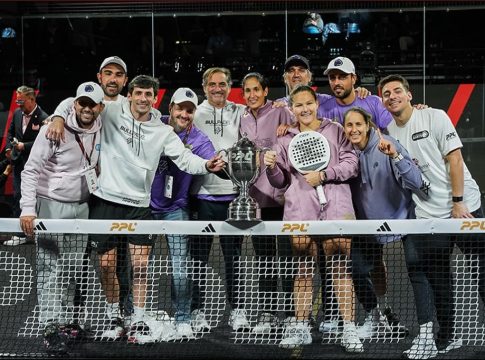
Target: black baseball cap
297,60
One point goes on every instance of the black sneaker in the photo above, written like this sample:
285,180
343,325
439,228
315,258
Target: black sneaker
395,323
55,341
76,332
445,346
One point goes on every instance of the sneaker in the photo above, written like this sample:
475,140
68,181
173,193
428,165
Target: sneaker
76,332
199,322
329,326
184,331
55,341
238,320
296,334
350,340
445,346
15,240
140,333
395,323
375,324
423,347
115,331
266,323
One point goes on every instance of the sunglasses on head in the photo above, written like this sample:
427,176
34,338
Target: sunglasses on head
85,102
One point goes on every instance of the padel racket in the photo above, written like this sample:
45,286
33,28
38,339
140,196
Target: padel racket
310,151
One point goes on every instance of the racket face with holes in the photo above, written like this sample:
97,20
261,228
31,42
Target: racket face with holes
309,151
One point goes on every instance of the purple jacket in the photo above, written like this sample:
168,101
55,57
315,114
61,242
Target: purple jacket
262,131
301,200
331,109
200,145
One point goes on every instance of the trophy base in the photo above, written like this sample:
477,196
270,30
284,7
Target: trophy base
243,224
244,209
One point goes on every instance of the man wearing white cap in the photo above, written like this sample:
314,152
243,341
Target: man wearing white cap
56,183
342,78
112,77
169,200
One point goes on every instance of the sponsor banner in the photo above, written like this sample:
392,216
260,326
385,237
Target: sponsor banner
342,227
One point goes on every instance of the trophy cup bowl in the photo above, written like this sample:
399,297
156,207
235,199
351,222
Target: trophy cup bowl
243,169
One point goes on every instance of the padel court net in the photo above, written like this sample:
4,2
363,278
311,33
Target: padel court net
273,291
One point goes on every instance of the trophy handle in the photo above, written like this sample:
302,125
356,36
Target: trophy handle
232,178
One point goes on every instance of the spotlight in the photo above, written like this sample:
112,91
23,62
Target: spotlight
313,24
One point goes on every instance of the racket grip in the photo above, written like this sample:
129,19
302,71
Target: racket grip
321,195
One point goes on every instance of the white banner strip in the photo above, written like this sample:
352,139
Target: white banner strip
343,227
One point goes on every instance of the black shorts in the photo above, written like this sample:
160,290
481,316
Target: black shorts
102,209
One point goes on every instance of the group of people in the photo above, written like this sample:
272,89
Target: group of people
114,157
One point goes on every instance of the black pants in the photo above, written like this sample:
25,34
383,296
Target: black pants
265,250
200,248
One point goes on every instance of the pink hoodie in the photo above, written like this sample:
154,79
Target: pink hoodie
56,171
301,200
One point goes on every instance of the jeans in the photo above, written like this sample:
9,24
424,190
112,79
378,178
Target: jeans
179,255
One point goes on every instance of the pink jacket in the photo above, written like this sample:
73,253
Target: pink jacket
56,171
301,200
262,131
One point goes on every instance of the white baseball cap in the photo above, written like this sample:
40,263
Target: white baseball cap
113,60
91,90
184,94
340,63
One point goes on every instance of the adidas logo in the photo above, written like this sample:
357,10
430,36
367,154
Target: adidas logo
209,229
384,227
40,226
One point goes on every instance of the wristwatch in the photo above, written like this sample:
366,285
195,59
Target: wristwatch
398,157
457,198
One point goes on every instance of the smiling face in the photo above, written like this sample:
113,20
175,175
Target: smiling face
141,101
87,111
181,115
297,75
217,89
304,106
396,98
254,94
356,129
341,84
112,79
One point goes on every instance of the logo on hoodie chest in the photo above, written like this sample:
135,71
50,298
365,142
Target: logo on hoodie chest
130,134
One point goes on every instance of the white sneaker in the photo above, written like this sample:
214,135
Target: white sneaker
266,323
199,322
140,333
296,334
115,331
15,240
184,331
329,326
375,324
238,320
349,340
423,347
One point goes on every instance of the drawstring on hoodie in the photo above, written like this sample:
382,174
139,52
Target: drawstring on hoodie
133,135
215,121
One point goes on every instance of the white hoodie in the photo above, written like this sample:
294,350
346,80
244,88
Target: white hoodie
222,128
56,171
130,153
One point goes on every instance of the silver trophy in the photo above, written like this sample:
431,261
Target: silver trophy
243,169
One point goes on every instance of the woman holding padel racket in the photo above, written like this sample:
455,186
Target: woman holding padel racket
309,146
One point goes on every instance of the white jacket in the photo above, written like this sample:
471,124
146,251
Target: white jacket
222,128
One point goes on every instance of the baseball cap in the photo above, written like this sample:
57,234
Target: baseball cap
184,94
91,90
297,60
113,60
341,63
